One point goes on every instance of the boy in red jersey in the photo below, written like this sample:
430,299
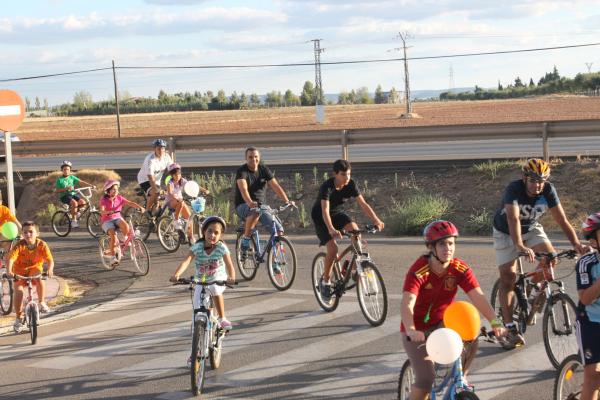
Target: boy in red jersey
430,287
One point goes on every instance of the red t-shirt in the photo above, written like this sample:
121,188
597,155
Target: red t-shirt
437,291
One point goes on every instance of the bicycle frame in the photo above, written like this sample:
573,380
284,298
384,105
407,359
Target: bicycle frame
454,381
28,301
260,253
358,256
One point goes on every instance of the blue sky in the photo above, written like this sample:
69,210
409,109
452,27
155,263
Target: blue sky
44,37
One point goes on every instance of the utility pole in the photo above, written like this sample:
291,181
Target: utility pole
318,83
116,100
404,36
589,66
451,79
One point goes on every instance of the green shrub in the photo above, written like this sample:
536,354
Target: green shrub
491,168
480,221
44,216
410,216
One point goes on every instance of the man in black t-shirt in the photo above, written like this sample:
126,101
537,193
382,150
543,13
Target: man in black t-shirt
517,231
329,218
250,189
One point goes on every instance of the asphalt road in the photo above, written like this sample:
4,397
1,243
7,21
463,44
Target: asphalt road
131,337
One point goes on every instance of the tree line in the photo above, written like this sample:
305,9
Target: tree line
550,83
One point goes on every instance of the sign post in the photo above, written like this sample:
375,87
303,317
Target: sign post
12,113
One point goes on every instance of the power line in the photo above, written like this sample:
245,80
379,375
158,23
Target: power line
381,60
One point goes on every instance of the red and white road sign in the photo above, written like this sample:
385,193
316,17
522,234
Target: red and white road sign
12,110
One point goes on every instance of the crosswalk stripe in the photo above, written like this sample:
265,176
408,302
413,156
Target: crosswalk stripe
350,296
234,341
314,352
145,339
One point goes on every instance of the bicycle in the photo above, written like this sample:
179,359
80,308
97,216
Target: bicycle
145,223
207,334
31,315
560,311
281,266
138,252
370,288
6,286
569,379
61,219
449,379
170,237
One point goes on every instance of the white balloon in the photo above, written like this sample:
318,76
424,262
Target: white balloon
191,188
444,346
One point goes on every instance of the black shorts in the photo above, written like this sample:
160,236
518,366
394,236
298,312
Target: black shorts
145,186
588,335
339,221
67,198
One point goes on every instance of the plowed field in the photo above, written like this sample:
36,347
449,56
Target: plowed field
551,108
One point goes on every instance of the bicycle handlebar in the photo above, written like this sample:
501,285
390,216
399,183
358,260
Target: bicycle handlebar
267,208
192,281
367,229
17,277
570,254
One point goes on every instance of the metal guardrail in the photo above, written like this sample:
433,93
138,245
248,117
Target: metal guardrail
343,138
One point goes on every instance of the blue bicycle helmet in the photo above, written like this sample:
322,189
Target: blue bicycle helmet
159,143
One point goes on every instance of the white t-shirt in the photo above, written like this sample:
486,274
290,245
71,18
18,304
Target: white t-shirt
154,166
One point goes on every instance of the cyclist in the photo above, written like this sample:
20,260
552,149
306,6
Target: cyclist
212,262
251,179
329,218
111,204
175,195
65,185
430,286
150,175
27,258
588,309
5,216
517,230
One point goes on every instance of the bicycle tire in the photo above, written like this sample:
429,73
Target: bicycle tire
103,246
372,295
61,223
215,351
519,316
94,226
140,257
405,381
466,396
32,315
569,379
168,236
560,339
249,267
318,265
6,301
283,255
198,368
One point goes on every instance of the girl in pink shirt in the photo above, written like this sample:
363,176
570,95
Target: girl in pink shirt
110,215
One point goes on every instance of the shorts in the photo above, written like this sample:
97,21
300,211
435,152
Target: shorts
145,186
506,250
266,219
588,336
112,224
339,221
66,199
214,290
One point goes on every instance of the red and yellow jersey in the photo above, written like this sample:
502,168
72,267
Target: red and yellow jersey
436,292
28,262
6,215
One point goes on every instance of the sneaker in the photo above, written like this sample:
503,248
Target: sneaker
325,289
189,362
177,225
225,324
244,247
277,269
18,325
44,307
114,261
74,223
513,338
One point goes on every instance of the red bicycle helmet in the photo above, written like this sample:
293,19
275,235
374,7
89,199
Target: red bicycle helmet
591,225
438,230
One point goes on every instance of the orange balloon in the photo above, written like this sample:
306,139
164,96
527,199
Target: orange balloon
462,317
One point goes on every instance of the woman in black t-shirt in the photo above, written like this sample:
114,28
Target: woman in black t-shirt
328,216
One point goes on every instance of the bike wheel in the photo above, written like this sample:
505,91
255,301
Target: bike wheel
519,316
372,296
168,236
214,352
198,358
466,396
558,328
140,257
569,379
94,226
318,266
6,301
141,222
32,316
405,381
281,263
61,223
248,266
103,247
